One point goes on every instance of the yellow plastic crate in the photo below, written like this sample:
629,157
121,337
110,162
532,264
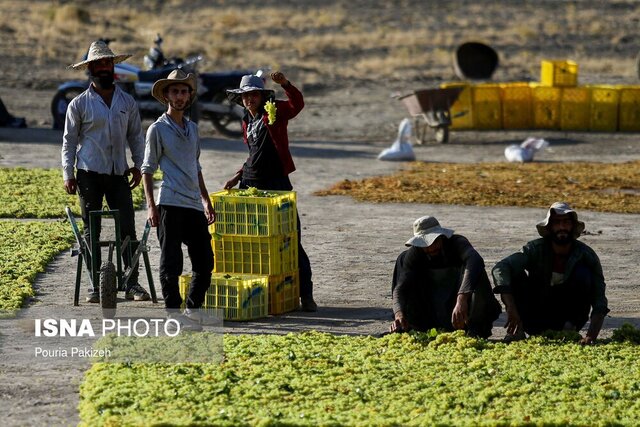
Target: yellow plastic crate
241,297
546,106
254,216
462,110
284,292
575,105
487,106
629,109
255,255
516,106
559,73
604,108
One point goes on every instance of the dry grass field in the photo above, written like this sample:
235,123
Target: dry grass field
327,41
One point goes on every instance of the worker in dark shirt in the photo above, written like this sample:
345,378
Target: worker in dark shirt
553,282
440,282
270,163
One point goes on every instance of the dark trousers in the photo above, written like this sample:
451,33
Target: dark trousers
92,188
543,307
304,265
428,302
189,226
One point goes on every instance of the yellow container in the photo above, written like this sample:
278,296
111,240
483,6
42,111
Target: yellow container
629,109
241,297
604,108
462,110
559,73
487,106
546,106
254,216
516,106
575,105
255,255
284,292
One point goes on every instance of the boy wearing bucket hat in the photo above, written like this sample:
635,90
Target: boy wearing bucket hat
270,163
440,282
184,210
99,123
554,281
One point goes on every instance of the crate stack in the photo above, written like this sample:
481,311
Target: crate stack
255,247
257,234
556,102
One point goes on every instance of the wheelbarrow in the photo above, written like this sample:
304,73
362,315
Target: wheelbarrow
108,278
430,109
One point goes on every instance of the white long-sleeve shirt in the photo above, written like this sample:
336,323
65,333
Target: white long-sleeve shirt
96,136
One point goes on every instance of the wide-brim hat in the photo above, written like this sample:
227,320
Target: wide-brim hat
249,83
426,230
99,50
176,76
560,208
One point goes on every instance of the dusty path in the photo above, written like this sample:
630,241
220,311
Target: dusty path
352,246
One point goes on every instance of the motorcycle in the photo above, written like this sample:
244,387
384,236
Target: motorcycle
212,103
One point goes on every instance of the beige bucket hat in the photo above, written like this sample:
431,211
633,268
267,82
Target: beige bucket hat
176,76
560,208
99,50
426,230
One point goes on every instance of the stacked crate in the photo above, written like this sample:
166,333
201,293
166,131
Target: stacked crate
557,102
257,234
241,297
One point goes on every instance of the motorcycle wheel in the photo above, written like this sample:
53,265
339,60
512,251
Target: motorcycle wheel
60,103
227,124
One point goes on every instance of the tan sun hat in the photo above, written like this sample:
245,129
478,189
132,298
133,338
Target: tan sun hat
176,76
426,230
560,208
99,50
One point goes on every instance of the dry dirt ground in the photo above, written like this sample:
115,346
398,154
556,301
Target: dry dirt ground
352,246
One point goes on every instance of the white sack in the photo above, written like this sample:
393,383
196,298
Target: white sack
401,148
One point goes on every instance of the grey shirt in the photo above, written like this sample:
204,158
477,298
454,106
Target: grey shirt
177,152
95,135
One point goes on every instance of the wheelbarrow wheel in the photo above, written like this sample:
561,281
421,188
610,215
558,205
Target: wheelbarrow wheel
442,134
108,290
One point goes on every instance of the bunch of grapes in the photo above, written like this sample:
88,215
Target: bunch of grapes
270,108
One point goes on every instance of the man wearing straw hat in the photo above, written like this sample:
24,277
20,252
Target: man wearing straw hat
99,124
440,282
184,209
270,163
553,282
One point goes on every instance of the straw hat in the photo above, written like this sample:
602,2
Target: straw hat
99,50
560,208
249,83
426,230
176,76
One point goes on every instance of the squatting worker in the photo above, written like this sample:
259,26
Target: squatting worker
553,282
99,124
184,209
269,163
440,282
